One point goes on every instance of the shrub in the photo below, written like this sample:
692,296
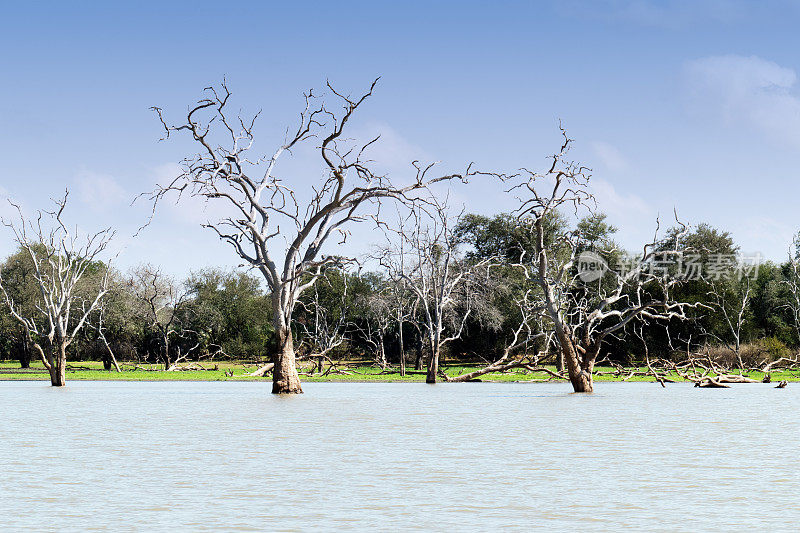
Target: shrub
752,354
774,348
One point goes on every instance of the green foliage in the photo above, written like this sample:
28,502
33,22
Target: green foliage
774,348
504,235
233,371
228,311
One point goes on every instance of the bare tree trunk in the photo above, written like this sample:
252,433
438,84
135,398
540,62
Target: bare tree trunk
382,352
433,369
402,349
167,361
24,353
582,382
110,359
560,361
433,364
739,354
419,355
285,379
58,370
581,379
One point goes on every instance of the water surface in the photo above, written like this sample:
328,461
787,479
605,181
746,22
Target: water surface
210,456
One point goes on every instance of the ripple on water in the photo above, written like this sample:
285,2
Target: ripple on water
209,456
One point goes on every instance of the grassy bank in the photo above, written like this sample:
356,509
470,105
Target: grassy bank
233,371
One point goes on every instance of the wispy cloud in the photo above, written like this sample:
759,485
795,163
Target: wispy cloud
186,208
749,91
100,192
773,236
618,205
609,156
392,153
668,14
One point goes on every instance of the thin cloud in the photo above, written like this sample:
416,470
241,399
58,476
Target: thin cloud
619,205
189,209
773,236
748,91
392,153
667,14
609,156
100,192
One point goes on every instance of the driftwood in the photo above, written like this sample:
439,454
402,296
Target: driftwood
782,360
147,369
782,384
260,373
705,372
733,378
174,364
190,366
711,383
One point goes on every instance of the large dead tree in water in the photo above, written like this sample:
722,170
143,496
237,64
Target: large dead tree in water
266,208
62,262
583,314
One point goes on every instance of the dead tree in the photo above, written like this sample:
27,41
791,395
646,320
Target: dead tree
266,208
402,305
100,328
730,297
62,261
402,300
517,351
376,324
584,315
160,301
440,276
793,285
326,328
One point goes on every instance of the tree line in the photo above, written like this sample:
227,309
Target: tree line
544,287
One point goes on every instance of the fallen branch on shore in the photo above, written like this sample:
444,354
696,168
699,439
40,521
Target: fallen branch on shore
711,383
260,373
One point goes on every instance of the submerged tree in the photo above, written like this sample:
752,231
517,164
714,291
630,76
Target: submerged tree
586,301
265,208
62,260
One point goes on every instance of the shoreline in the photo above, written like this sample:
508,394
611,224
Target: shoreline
236,372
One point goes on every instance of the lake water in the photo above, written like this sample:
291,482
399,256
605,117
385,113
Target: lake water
230,456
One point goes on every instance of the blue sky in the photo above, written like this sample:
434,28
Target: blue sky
693,105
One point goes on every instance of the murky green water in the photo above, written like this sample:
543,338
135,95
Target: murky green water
230,456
